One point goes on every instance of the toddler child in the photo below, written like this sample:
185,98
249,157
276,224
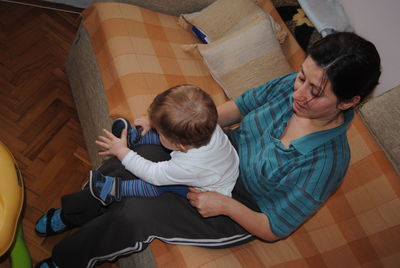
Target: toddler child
184,120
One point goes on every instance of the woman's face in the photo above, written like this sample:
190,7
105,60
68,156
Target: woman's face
311,98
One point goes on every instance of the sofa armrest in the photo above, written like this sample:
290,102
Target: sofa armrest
88,92
381,115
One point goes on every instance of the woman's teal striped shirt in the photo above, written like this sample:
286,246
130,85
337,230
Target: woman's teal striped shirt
288,184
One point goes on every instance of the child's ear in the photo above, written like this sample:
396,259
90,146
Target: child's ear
182,148
345,105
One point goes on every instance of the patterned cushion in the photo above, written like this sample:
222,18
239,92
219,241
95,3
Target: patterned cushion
245,58
139,55
222,17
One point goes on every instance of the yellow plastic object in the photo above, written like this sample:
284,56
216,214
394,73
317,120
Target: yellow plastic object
11,198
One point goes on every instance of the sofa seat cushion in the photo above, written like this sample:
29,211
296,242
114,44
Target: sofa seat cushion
139,55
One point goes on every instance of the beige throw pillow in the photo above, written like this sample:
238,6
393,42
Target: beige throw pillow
245,58
225,16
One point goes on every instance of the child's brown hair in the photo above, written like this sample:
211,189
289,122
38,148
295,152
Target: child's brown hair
185,115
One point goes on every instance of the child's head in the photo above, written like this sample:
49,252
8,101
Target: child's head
185,115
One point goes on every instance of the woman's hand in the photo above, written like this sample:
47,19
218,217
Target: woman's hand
113,145
213,204
207,203
144,122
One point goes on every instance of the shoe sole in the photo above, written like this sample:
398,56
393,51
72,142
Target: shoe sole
55,233
92,191
126,124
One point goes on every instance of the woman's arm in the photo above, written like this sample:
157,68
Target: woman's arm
213,204
228,114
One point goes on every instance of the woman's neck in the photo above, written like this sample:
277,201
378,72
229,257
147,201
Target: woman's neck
298,127
319,124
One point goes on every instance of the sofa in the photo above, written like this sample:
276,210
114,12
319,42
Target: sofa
111,73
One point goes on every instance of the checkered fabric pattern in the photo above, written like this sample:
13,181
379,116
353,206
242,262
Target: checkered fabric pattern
139,55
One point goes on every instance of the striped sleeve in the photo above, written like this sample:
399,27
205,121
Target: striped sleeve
302,191
288,207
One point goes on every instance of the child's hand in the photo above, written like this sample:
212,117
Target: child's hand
113,145
144,122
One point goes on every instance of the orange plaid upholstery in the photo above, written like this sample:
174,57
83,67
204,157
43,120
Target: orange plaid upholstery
139,55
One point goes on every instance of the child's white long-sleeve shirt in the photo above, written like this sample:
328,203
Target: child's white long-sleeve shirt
213,167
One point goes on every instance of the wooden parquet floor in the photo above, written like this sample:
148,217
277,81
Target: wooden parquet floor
38,120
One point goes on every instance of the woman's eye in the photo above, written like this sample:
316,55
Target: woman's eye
315,92
302,79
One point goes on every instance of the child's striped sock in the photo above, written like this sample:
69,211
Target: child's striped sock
131,188
151,137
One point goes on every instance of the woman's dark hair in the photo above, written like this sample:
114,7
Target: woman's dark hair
351,63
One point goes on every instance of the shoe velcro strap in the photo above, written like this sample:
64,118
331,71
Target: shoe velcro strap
49,215
139,130
50,263
117,184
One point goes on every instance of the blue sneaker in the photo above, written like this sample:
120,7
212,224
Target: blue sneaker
133,136
102,186
51,223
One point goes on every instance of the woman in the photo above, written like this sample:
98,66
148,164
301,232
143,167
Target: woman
302,137
293,154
